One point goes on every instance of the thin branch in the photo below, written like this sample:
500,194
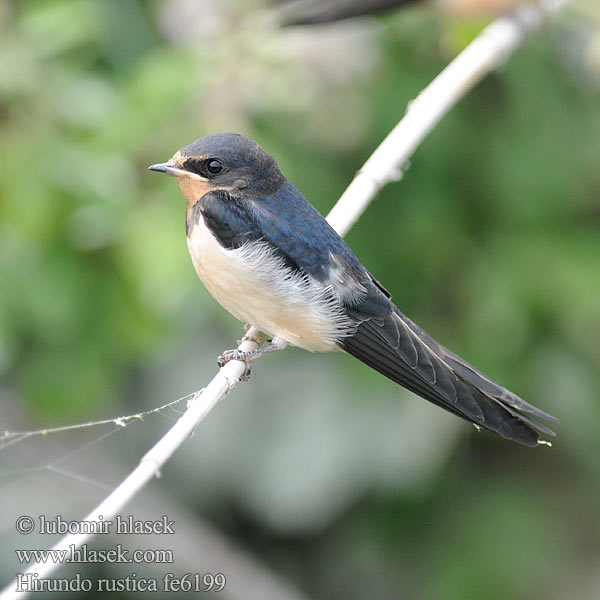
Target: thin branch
484,54
487,52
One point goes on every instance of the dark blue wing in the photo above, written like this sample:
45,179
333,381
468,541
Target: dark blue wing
294,229
297,229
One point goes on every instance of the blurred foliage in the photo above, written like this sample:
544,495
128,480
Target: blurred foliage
491,241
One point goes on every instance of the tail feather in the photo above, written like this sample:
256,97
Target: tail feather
474,376
403,352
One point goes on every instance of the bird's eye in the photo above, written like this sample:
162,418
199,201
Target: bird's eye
214,166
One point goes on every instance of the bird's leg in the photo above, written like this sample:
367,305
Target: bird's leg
247,357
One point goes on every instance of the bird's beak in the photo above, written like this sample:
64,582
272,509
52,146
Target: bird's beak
172,169
168,168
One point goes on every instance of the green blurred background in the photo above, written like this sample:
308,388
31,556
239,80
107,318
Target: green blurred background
328,478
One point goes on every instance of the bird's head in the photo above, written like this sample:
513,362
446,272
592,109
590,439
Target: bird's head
224,161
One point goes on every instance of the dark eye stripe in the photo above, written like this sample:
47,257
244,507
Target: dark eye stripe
206,167
194,165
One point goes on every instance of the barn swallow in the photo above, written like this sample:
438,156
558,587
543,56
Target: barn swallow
311,12
272,260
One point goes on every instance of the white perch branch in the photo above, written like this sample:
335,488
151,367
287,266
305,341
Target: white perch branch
484,54
487,52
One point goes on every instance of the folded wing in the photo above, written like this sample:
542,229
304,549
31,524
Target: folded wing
392,344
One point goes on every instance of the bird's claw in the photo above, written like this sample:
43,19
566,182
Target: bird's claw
248,357
229,355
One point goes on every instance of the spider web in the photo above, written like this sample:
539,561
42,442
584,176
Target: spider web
60,465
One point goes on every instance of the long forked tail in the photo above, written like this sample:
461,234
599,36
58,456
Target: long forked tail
402,351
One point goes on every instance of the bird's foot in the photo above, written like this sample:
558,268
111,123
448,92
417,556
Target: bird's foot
248,357
237,355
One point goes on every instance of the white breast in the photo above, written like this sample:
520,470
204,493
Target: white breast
256,286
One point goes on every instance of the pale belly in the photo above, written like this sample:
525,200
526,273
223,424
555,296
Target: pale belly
250,282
